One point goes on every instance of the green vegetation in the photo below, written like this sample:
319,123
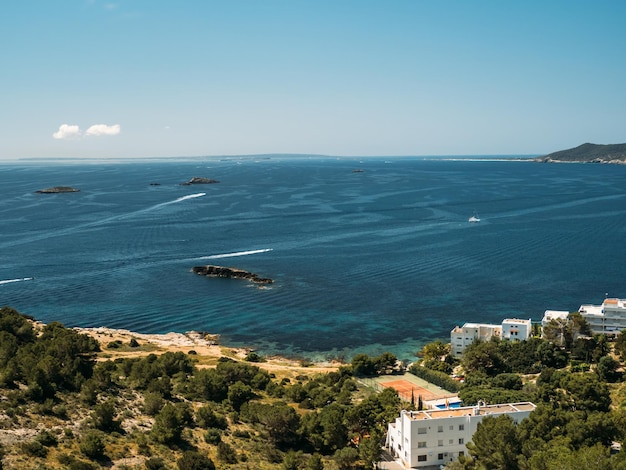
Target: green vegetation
164,411
172,411
574,378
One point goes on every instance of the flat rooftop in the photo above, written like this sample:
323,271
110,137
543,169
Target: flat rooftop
591,310
471,411
619,303
479,325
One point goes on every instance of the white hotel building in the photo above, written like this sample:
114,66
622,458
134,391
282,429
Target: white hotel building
608,318
511,328
430,438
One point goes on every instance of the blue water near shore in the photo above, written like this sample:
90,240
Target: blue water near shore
371,261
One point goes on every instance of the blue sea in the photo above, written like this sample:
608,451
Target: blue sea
382,259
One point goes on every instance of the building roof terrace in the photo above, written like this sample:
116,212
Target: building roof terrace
471,411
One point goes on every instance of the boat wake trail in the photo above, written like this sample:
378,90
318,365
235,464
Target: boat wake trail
8,281
238,253
190,196
97,223
182,198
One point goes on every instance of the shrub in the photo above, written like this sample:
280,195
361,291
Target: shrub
92,445
155,463
168,425
34,449
46,438
435,377
193,460
207,418
103,417
226,453
253,357
65,459
80,465
213,436
152,403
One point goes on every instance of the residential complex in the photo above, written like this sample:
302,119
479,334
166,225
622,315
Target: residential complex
511,328
608,318
437,437
514,328
550,315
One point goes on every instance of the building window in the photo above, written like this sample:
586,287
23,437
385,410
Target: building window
461,453
440,429
451,427
421,430
439,456
440,443
421,458
421,445
461,427
451,441
461,440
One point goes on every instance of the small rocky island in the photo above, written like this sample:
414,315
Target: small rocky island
199,180
58,189
230,273
588,153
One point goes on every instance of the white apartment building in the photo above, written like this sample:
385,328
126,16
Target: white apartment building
514,328
550,315
462,337
608,318
437,437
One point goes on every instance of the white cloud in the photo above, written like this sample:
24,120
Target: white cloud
103,129
67,131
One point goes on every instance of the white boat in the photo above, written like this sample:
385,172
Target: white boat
474,218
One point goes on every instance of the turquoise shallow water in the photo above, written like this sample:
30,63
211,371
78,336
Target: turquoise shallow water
382,259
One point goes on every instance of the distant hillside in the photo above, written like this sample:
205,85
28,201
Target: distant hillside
589,153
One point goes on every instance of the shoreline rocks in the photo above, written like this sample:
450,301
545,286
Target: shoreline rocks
230,273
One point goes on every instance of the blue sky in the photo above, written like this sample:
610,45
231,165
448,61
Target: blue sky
156,78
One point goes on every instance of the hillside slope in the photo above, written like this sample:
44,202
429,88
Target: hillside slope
588,153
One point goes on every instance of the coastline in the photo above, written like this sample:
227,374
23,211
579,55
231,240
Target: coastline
203,346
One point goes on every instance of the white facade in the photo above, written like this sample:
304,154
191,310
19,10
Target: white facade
462,337
608,318
437,437
513,328
550,315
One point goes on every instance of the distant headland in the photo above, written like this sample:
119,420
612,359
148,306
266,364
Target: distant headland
588,153
58,189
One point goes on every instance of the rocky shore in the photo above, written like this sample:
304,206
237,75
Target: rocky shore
204,346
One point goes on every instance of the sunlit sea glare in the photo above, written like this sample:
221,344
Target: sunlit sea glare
382,259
